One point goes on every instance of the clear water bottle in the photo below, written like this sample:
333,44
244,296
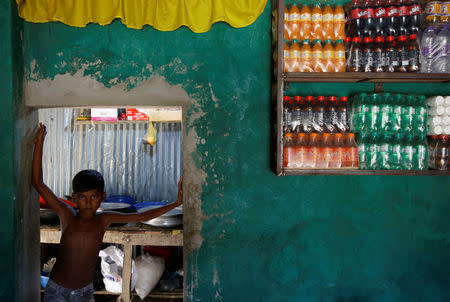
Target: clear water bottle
440,64
427,45
297,123
420,153
287,120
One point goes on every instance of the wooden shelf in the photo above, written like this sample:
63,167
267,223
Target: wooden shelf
364,172
365,77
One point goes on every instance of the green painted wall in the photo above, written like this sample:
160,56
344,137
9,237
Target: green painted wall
267,238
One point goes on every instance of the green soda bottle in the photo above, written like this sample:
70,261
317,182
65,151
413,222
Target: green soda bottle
396,152
420,115
362,140
385,151
372,151
375,103
407,152
420,153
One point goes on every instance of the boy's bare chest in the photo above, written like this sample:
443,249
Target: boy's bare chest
84,234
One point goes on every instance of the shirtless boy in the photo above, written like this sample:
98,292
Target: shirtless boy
82,230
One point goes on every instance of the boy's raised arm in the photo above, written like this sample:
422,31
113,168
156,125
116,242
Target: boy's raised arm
110,217
37,180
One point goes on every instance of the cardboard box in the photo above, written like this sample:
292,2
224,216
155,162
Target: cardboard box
104,114
155,114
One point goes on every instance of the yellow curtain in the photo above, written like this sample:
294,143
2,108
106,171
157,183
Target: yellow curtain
164,15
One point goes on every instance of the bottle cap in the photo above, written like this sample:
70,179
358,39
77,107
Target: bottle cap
321,98
356,39
316,41
390,38
286,98
332,98
294,41
297,98
328,41
306,41
347,39
442,136
367,40
402,38
434,136
379,39
413,37
339,41
309,98
288,135
344,99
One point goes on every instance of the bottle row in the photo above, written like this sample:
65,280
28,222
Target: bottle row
315,114
320,151
314,22
392,151
437,11
380,112
438,152
438,115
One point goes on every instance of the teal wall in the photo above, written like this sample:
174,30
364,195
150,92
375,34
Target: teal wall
268,238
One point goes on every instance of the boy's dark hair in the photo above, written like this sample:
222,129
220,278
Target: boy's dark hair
86,180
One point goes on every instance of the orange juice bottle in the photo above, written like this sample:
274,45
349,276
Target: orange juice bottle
305,23
316,22
295,55
339,23
328,23
287,57
294,18
306,56
287,23
328,57
339,54
317,56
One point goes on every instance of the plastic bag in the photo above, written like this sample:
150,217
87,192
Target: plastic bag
151,134
111,268
149,270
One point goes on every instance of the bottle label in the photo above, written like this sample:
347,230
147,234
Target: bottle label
356,13
380,12
368,58
433,8
327,18
426,51
363,13
445,8
402,10
414,9
403,57
316,18
294,17
340,54
305,17
306,54
391,58
329,54
295,54
317,54
378,59
413,57
370,12
287,54
392,11
356,59
339,18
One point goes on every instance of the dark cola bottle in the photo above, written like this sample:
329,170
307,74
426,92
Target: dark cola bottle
403,54
356,21
403,17
414,16
391,18
380,18
368,18
390,55
413,50
367,54
378,55
356,57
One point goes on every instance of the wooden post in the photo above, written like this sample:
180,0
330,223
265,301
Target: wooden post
126,272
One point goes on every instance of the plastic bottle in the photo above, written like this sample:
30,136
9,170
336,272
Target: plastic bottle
427,49
442,153
287,117
367,55
420,153
327,23
287,23
441,60
347,45
316,22
433,11
339,148
432,144
414,12
288,63
356,55
413,53
391,18
338,23
403,16
343,115
408,152
308,123
368,18
391,55
362,150
296,115
339,59
294,22
356,21
379,18
328,62
314,149
317,57
294,53
288,149
385,151
305,23
306,57
318,114
395,158
445,12
301,149
378,55
403,55
330,117
327,147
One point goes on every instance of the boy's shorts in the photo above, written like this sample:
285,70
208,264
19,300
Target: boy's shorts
57,293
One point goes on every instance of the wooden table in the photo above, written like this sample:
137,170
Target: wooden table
128,235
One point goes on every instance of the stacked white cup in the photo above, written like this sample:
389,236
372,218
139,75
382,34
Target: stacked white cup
438,115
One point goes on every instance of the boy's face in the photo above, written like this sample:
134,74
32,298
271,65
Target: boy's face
88,200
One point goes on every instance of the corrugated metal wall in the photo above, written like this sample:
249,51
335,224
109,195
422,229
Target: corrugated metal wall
130,167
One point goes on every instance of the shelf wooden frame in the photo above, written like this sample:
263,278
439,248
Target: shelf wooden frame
284,78
126,236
